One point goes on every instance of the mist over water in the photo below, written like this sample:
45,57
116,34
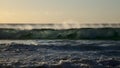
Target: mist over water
59,26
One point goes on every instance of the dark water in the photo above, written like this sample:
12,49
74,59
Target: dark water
60,53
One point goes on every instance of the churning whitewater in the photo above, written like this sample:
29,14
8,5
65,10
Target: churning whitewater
59,53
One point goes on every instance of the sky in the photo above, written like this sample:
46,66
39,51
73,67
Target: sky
59,11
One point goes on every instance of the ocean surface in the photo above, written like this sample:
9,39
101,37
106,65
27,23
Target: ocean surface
60,53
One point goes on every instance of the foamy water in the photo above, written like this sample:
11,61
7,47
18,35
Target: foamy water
55,53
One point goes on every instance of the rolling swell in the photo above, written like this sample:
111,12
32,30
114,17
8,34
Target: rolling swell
66,45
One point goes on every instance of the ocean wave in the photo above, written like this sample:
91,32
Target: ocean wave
83,33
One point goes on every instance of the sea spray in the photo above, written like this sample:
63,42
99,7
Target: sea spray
64,25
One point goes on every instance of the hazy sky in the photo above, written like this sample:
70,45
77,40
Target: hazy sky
58,11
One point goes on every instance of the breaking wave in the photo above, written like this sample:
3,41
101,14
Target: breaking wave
83,33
